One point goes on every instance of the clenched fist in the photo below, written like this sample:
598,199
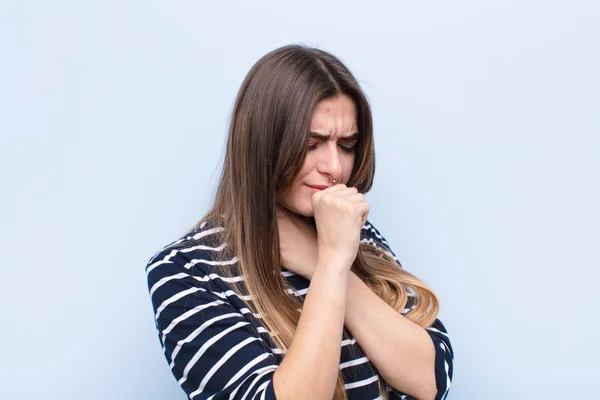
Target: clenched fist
340,212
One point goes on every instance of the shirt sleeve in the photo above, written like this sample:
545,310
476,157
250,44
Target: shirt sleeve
212,347
444,354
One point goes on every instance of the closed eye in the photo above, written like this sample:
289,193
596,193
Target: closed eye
349,141
347,149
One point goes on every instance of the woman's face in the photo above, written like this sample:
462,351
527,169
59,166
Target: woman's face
333,136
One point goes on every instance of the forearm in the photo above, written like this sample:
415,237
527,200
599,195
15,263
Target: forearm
401,350
311,365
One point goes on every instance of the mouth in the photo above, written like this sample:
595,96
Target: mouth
317,187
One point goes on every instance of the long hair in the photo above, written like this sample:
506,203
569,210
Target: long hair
266,148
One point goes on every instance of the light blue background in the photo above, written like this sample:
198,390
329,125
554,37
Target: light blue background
113,117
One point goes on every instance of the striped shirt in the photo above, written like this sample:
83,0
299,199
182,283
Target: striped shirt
217,348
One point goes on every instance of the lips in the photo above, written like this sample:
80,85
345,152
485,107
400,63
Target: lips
318,187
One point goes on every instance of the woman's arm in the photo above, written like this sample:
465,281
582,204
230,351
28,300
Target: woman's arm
310,367
408,338
401,350
210,345
215,352
390,340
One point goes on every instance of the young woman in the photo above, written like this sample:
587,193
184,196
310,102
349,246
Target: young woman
284,289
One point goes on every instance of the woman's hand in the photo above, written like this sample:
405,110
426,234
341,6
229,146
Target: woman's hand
340,212
297,243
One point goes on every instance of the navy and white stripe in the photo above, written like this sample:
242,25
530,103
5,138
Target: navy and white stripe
217,348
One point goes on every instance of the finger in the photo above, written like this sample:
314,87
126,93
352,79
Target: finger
365,208
331,192
354,197
342,191
335,188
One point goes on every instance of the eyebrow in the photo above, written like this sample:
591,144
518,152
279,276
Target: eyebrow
320,136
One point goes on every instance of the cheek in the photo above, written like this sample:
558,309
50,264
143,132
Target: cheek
299,200
309,163
348,166
298,194
303,176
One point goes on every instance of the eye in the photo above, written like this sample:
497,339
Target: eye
347,149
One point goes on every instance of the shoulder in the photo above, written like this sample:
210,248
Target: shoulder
371,235
198,253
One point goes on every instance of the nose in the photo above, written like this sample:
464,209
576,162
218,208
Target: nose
330,163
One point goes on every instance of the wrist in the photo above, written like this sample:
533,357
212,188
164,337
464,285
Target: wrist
332,262
334,276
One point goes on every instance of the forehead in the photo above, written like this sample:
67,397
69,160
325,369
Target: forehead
335,115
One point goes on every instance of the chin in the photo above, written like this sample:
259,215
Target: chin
305,210
308,213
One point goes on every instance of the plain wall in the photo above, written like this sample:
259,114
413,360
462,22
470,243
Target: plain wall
113,117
